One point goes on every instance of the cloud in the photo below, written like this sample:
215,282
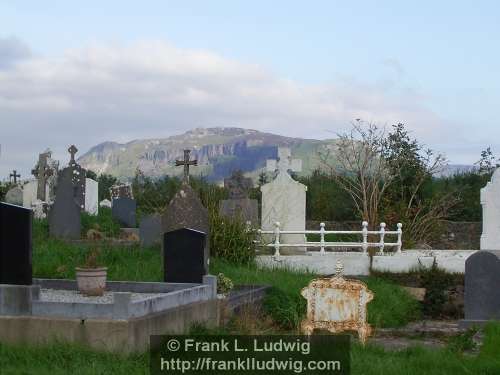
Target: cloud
11,51
155,89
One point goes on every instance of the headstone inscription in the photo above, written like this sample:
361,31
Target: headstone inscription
482,288
123,210
490,200
239,205
150,230
185,256
284,201
15,245
64,215
185,210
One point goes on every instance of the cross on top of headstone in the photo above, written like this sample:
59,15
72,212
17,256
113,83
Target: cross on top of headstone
14,175
285,162
186,163
72,150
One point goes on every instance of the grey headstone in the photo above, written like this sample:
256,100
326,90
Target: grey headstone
239,205
64,215
150,230
245,209
15,196
123,210
482,287
185,210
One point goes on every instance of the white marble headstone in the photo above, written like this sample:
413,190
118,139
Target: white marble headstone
490,200
91,196
29,193
105,203
284,201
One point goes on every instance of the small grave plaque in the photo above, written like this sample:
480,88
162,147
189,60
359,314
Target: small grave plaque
184,255
15,245
337,304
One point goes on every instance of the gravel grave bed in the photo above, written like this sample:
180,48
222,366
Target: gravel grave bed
73,296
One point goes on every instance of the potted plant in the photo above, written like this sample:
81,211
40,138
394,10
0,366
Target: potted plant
224,286
91,278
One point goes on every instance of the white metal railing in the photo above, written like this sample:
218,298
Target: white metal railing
322,244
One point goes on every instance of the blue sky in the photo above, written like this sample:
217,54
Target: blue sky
433,65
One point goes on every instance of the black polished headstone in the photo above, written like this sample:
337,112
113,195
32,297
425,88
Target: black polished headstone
185,259
15,244
123,210
64,215
482,287
150,230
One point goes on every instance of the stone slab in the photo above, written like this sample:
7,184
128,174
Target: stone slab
15,196
490,201
124,210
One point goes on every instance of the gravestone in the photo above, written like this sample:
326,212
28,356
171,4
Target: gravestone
123,210
29,193
45,172
15,245
15,196
185,210
284,201
91,196
185,256
121,191
150,230
490,200
64,215
239,205
482,287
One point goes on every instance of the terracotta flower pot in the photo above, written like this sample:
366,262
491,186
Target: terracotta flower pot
91,281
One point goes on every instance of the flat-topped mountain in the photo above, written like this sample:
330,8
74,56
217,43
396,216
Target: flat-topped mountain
219,151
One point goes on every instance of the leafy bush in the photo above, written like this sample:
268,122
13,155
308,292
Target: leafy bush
436,281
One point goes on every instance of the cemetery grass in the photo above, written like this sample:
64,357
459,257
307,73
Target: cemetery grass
59,358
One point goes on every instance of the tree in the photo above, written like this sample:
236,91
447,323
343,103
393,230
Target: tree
488,162
356,162
105,182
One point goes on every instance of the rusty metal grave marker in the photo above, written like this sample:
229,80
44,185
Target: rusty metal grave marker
337,304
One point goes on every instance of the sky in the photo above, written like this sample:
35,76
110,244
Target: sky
92,71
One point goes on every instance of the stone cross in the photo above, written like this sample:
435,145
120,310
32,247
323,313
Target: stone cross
186,163
42,172
72,150
14,175
285,162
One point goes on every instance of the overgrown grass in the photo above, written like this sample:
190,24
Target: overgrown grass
63,359
103,222
59,359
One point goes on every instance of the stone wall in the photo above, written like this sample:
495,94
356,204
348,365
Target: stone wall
456,235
